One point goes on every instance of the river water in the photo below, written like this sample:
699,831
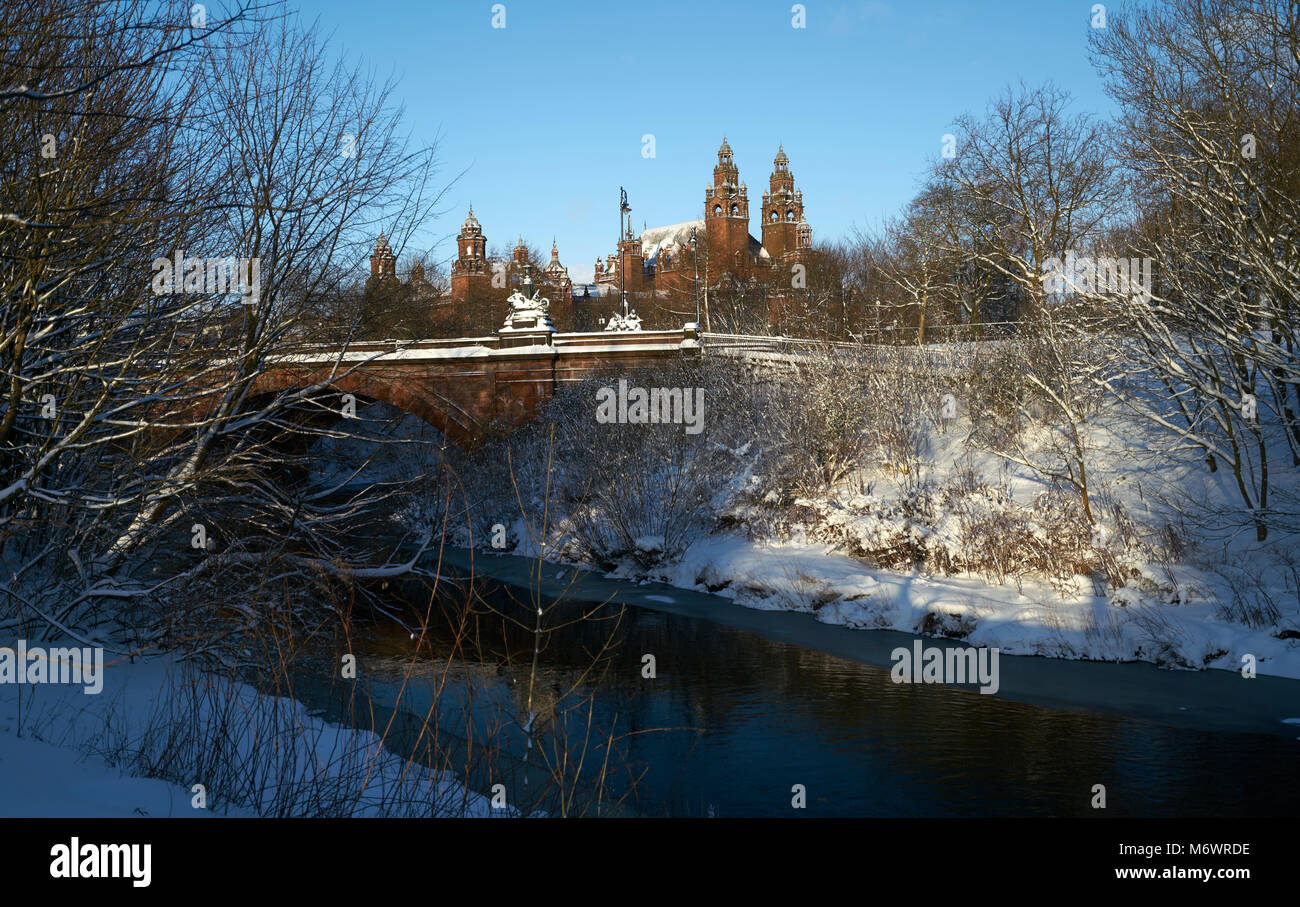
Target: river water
749,712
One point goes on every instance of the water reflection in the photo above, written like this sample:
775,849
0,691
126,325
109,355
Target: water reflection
732,721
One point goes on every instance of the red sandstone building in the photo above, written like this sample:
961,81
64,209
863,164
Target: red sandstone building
661,266
658,269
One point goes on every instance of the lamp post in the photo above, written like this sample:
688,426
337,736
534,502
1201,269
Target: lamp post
623,207
707,328
695,256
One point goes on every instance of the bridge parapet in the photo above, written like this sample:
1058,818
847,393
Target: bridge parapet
497,345
625,341
469,386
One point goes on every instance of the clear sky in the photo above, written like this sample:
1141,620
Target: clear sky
547,115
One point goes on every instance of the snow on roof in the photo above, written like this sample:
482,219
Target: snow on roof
669,238
677,237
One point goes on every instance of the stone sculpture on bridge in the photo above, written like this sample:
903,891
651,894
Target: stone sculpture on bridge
529,311
629,322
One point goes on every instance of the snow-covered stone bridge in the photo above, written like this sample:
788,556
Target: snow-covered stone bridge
466,386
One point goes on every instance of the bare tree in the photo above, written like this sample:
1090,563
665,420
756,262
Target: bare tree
919,262
139,147
1037,180
96,169
1210,90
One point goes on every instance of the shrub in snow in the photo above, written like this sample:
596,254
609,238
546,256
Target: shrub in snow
602,492
997,393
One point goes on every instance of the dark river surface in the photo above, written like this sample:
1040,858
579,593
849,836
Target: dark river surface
745,705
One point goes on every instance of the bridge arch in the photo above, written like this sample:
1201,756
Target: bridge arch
471,388
415,397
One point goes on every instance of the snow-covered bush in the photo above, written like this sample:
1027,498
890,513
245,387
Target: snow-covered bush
848,449
815,427
996,394
966,525
601,490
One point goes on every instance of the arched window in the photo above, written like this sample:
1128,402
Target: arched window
717,209
773,217
789,215
735,209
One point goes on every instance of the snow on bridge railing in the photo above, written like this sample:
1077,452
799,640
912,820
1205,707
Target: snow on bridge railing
946,339
778,355
939,336
759,343
390,345
581,343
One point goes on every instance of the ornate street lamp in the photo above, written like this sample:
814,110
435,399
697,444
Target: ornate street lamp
623,207
695,256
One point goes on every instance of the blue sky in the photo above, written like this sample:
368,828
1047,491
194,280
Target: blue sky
547,115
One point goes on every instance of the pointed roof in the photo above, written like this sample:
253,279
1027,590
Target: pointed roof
724,148
555,267
471,224
781,156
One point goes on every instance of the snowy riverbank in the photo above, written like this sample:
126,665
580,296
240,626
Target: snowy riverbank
156,730
966,544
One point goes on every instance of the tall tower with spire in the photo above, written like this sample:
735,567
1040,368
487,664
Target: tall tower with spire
557,275
631,259
470,277
383,263
558,289
520,253
782,209
726,217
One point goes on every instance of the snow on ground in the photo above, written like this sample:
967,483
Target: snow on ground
1031,620
1170,613
1171,610
51,767
1177,610
73,758
41,779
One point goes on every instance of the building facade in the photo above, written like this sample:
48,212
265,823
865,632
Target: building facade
659,268
662,269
